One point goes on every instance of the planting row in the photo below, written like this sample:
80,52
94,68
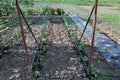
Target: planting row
107,48
93,73
10,32
42,11
40,55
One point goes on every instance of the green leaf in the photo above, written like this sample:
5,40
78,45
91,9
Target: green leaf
94,70
36,74
80,48
44,40
85,58
44,49
41,58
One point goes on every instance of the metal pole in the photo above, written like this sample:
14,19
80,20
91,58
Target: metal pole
93,35
21,26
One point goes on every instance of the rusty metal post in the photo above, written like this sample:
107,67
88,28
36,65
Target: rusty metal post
21,26
93,35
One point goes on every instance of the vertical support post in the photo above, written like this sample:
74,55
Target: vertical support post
21,26
93,35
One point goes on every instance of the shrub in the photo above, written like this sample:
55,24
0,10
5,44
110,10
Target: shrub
28,10
51,11
43,10
60,11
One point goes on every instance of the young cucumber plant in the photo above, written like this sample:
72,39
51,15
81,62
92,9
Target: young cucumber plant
44,49
80,48
41,58
85,58
44,40
45,33
71,33
7,46
106,49
94,70
36,73
18,33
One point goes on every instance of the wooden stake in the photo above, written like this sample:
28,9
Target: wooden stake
93,35
21,26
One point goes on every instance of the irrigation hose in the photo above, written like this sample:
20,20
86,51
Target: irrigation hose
81,55
108,75
86,24
28,26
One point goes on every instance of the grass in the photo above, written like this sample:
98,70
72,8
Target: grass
85,2
113,18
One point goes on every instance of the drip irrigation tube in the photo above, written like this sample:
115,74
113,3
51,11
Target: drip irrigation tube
36,62
80,53
28,26
108,75
86,24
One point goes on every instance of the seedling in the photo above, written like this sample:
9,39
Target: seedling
18,33
41,58
68,29
36,73
106,49
7,46
114,57
44,40
71,33
44,49
80,48
46,28
94,70
13,38
85,58
74,39
45,33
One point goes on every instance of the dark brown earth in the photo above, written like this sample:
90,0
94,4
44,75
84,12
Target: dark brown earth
61,61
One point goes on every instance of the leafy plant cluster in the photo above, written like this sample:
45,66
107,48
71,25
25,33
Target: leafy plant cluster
28,10
74,39
48,10
7,7
9,42
94,71
40,57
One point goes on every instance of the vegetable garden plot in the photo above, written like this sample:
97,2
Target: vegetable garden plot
107,48
61,61
60,55
13,66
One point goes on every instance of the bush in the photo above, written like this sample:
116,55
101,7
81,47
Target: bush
60,11
28,10
51,11
43,10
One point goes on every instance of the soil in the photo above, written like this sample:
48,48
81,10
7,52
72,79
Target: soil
61,61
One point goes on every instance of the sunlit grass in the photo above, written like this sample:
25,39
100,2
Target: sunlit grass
86,2
113,18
